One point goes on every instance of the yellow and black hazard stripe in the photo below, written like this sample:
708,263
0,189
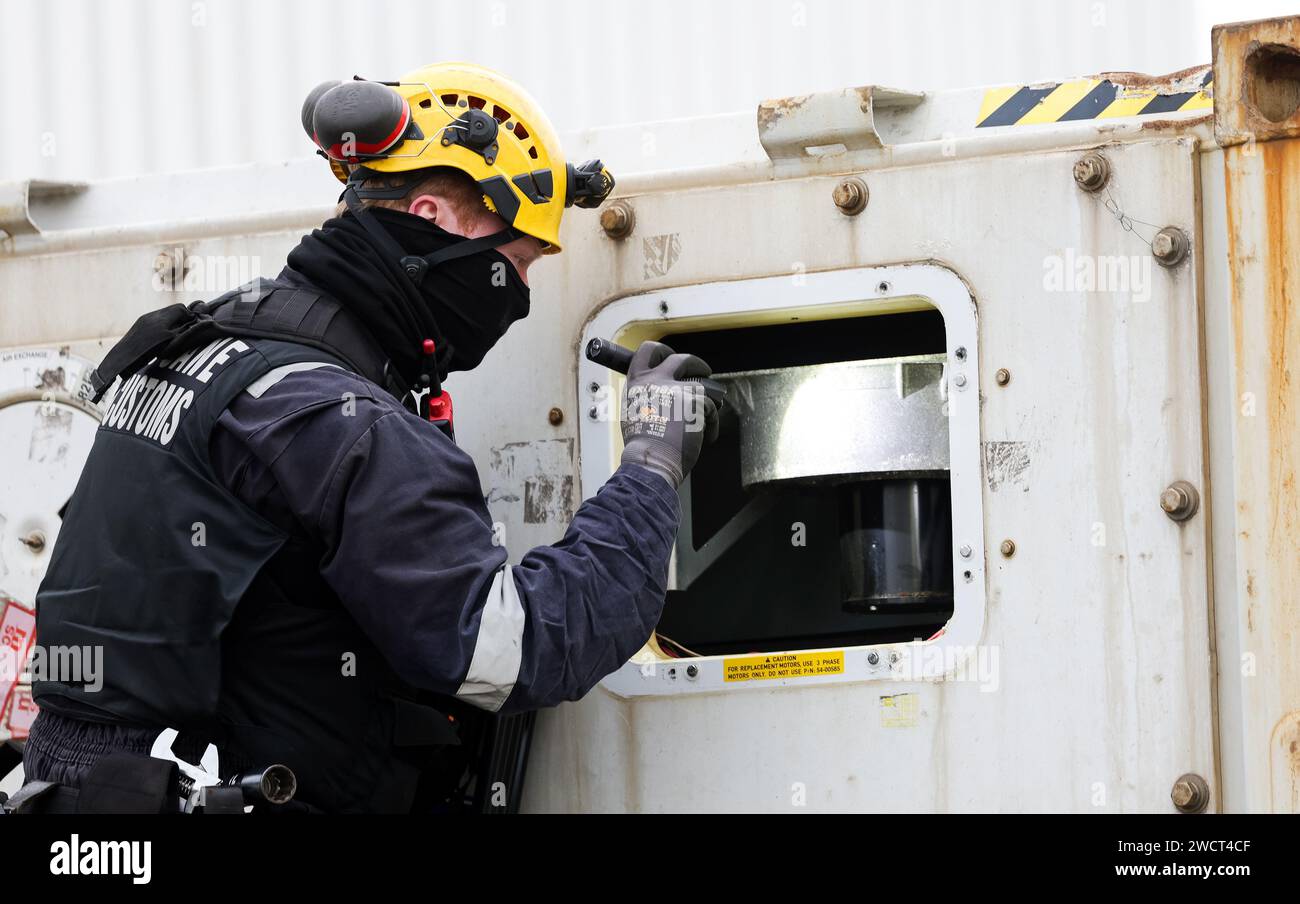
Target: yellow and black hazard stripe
1088,99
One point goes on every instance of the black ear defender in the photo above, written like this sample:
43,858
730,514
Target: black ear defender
357,120
309,108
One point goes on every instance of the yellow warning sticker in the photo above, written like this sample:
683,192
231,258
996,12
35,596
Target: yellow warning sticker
898,711
783,665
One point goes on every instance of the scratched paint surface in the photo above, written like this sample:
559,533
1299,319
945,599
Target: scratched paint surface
534,480
1006,465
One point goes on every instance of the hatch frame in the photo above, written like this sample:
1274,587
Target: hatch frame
830,294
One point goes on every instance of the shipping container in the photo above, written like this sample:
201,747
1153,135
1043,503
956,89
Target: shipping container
1004,512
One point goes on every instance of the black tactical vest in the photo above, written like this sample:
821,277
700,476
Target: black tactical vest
211,619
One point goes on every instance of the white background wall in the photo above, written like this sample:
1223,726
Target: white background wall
96,88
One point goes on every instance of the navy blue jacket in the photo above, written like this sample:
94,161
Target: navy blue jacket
407,543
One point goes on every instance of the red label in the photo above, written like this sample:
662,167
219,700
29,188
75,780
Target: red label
17,632
22,712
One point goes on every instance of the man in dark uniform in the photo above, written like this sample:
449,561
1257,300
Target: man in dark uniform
277,545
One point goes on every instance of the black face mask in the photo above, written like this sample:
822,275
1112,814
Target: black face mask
467,302
474,299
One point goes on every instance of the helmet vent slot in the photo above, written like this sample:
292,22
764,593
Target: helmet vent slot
449,100
501,113
520,132
532,152
477,103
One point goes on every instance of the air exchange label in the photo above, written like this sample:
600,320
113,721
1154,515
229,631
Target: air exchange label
783,665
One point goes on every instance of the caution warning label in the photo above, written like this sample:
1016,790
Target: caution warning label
783,665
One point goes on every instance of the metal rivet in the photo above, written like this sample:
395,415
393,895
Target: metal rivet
692,671
873,658
850,196
959,381
1170,246
1002,377
1092,172
965,551
1191,793
1008,548
618,220
1180,500
555,416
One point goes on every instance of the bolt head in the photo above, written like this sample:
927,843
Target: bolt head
35,541
618,220
1008,548
1002,377
1170,246
965,551
1190,793
1091,172
1180,500
555,416
873,658
850,196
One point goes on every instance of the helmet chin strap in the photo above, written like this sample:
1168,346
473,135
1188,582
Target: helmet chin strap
416,267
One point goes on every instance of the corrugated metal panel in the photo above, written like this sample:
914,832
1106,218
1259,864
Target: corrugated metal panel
91,89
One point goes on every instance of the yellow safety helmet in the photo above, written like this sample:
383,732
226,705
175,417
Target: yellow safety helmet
462,116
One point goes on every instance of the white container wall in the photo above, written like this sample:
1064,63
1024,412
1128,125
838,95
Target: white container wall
92,89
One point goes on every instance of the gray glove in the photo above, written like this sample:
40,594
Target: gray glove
666,418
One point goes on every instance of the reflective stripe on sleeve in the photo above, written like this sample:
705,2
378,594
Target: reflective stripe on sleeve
499,648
